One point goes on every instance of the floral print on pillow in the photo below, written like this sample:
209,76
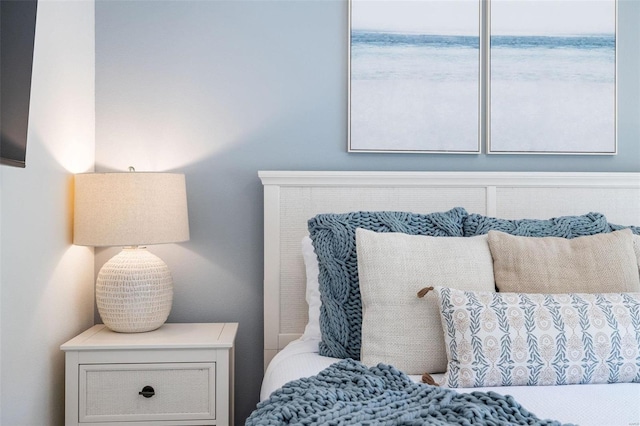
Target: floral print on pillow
518,339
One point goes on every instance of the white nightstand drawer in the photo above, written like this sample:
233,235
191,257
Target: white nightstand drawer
189,366
111,392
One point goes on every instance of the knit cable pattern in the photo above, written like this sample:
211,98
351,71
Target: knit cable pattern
563,226
348,393
334,242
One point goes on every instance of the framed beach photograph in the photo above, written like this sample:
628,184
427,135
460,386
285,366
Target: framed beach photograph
552,77
414,76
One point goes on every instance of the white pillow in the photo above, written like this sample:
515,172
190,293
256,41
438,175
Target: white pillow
518,339
636,248
398,328
312,329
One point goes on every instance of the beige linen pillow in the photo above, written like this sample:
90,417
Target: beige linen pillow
601,263
398,328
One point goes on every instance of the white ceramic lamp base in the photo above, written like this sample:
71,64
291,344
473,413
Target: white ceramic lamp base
134,291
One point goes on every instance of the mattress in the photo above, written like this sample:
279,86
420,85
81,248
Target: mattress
597,405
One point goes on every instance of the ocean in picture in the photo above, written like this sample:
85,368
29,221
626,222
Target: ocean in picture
414,92
553,93
417,92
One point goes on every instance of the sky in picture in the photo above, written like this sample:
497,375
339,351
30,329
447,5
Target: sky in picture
457,17
460,17
552,17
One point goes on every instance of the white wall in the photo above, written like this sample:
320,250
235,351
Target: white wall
46,282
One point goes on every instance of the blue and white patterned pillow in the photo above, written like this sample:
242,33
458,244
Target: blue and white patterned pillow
518,339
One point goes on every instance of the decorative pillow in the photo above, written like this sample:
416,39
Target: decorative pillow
564,226
312,295
397,328
517,339
634,229
603,263
334,240
636,248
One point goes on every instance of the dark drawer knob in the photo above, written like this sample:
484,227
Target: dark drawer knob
147,392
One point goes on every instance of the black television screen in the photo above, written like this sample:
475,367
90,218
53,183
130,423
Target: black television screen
17,34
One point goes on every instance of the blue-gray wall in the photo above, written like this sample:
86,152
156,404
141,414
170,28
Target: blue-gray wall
221,89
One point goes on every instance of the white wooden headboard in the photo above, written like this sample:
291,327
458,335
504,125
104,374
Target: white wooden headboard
293,197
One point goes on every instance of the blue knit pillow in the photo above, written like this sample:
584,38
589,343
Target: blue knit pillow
334,241
564,226
634,229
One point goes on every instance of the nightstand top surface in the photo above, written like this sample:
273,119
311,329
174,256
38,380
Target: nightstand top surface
169,336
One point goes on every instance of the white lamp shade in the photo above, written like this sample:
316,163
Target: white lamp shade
130,209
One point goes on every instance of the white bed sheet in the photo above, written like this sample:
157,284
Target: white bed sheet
585,405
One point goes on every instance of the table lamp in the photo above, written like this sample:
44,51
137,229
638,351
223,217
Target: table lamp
134,289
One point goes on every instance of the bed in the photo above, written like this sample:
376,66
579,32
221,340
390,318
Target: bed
293,343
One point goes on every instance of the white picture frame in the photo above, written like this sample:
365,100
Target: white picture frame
414,76
552,77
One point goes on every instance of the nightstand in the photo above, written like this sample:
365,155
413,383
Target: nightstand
179,374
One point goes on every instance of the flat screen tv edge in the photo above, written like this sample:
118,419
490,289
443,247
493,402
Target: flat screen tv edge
17,34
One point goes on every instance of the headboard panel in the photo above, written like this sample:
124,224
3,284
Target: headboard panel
293,197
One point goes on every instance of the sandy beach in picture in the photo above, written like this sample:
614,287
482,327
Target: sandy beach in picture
409,115
550,117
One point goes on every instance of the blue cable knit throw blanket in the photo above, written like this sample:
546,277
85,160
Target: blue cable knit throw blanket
333,238
348,393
